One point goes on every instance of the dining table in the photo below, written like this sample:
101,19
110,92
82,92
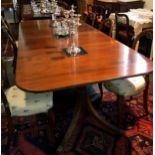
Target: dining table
42,65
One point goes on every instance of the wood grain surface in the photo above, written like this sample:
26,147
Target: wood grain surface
42,65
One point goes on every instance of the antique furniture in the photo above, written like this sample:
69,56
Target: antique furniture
124,32
143,43
42,65
9,45
118,6
19,103
127,87
106,26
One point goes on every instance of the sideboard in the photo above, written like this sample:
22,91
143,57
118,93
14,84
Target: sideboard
120,6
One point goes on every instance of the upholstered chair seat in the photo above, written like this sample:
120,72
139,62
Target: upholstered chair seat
24,103
20,103
126,87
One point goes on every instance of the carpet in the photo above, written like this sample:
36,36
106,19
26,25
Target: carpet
32,136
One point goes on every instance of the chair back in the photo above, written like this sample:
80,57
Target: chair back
90,18
101,14
106,26
143,43
89,8
9,36
4,22
106,13
124,32
121,22
4,76
9,41
4,102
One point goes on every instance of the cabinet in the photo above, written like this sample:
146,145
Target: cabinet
120,6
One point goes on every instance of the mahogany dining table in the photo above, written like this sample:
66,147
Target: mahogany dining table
43,66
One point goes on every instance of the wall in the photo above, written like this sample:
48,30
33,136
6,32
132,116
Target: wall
148,4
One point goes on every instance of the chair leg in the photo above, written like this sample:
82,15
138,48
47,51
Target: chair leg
145,94
10,126
10,131
120,101
51,118
100,88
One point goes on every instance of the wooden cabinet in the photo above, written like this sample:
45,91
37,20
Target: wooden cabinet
126,6
121,6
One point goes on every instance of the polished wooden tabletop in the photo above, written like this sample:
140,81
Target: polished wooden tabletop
42,65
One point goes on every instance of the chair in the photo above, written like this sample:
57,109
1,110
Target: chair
143,43
90,18
98,11
19,103
88,11
124,32
128,87
106,26
93,15
89,15
10,45
102,13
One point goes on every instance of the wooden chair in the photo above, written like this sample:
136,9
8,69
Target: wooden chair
90,18
124,32
106,26
128,87
98,11
87,11
10,45
19,103
102,13
143,43
93,15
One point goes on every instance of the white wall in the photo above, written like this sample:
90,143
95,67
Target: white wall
148,4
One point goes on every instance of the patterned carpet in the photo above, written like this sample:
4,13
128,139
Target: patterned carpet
32,136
